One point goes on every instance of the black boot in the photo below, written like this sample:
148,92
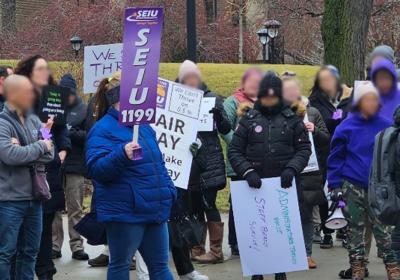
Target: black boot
100,261
346,274
48,276
235,250
280,276
80,255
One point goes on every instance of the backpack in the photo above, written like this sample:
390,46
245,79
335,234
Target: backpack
382,196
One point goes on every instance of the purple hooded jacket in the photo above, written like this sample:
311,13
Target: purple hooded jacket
391,100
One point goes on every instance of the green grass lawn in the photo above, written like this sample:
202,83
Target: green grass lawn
220,78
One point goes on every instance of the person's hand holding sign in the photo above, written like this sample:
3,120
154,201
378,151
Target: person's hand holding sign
310,127
129,148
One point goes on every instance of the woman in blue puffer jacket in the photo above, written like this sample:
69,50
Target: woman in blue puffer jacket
132,197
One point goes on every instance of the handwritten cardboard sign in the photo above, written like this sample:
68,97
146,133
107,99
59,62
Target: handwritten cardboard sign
53,102
177,120
206,118
100,62
268,228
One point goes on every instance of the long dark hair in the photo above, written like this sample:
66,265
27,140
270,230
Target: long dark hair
316,89
100,100
25,67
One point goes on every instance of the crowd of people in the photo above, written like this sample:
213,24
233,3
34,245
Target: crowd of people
266,125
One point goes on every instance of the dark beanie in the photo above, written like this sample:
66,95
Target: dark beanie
271,85
68,81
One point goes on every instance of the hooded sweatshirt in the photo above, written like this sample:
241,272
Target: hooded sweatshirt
352,149
391,100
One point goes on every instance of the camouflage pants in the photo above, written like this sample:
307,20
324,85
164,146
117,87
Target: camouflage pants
358,214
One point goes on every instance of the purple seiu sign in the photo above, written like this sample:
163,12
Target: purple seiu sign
140,64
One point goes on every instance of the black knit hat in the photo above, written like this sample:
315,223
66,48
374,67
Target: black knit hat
68,81
271,85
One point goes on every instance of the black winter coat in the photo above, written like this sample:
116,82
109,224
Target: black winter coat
208,167
270,144
75,161
319,101
54,170
313,182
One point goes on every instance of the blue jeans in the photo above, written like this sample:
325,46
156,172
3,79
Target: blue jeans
20,230
150,239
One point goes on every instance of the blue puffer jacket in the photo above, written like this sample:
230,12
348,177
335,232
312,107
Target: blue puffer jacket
127,191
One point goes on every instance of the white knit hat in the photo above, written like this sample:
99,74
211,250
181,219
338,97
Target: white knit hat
362,89
188,68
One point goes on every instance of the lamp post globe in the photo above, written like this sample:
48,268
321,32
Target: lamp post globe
273,31
264,39
76,43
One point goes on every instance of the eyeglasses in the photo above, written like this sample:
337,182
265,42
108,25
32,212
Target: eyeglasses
289,74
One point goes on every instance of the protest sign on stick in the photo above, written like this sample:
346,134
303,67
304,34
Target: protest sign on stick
100,62
140,63
177,121
313,161
53,103
268,228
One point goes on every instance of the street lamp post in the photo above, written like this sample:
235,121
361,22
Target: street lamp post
191,30
76,43
264,39
273,29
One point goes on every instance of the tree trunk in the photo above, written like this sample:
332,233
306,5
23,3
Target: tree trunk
344,33
8,22
241,11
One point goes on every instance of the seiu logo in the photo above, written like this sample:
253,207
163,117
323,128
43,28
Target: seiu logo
143,15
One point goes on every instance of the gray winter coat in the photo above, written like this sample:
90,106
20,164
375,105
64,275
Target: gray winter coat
15,160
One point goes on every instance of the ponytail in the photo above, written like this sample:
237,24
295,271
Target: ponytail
100,101
101,104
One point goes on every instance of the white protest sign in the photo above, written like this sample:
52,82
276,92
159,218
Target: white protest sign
313,161
99,62
206,118
177,120
268,228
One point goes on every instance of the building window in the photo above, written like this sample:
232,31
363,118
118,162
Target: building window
211,10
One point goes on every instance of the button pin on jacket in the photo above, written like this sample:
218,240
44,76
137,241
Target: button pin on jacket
258,129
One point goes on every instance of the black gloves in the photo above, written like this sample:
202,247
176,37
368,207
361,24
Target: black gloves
217,113
194,148
253,179
287,177
337,194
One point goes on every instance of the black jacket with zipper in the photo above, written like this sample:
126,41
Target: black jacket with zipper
76,118
208,167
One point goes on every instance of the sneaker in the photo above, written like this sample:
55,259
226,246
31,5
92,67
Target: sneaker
327,242
311,263
280,276
56,254
257,277
195,275
347,274
100,261
235,250
80,255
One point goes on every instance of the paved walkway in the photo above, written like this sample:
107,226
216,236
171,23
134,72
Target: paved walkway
329,263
